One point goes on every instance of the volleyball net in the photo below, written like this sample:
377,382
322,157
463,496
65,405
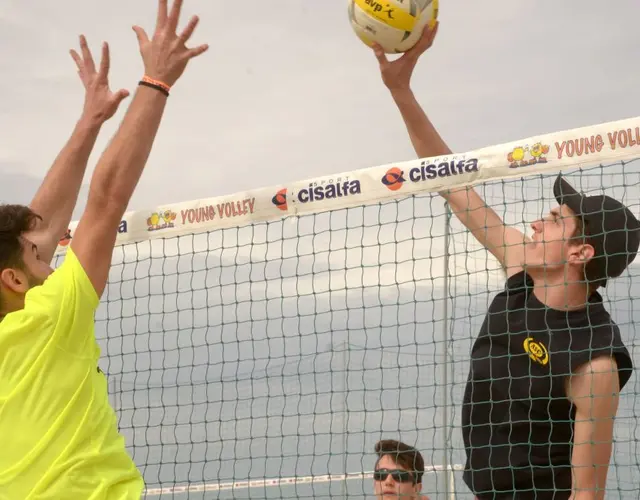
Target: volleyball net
258,345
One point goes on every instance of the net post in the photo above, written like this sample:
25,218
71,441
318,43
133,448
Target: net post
445,364
344,417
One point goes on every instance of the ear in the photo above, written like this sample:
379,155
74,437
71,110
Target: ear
14,280
580,254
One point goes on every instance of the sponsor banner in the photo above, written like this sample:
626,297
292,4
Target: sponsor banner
583,147
66,238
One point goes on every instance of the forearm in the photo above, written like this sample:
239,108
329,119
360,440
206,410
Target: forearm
594,390
425,138
590,464
120,167
585,495
57,196
427,142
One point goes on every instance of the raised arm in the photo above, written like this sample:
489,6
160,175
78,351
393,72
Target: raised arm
119,169
504,242
594,390
56,198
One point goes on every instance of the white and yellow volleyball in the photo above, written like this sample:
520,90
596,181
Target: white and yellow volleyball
396,25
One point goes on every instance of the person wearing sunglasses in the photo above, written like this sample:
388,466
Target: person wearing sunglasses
398,471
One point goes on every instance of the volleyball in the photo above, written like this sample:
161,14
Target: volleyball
396,25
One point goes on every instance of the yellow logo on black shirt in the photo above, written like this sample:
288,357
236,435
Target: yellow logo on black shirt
536,351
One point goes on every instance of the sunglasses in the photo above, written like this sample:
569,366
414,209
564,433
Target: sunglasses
398,475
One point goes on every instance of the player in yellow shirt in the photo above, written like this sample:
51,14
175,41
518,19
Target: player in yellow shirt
58,433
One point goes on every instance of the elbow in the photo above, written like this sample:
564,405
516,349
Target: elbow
106,203
107,192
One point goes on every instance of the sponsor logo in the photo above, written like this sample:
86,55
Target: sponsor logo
198,215
385,11
325,190
583,146
280,199
394,178
377,7
210,212
519,158
66,239
536,351
236,208
161,220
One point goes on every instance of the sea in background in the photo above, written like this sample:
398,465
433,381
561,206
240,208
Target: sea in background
289,349
225,411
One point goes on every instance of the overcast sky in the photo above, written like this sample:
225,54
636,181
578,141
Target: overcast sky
287,92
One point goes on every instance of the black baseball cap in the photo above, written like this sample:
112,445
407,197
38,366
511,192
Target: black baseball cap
612,230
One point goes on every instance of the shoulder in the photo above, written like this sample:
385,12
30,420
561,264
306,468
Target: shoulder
68,284
599,348
597,378
602,365
71,269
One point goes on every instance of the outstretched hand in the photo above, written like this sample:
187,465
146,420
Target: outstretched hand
396,74
166,56
100,103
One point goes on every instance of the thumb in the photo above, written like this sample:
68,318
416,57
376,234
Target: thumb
141,34
120,96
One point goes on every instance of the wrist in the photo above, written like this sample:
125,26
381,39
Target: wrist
90,123
401,93
158,85
152,95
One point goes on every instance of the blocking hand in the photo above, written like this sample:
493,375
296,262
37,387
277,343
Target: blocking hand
166,56
100,103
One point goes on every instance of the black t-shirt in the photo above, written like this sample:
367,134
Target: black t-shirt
517,422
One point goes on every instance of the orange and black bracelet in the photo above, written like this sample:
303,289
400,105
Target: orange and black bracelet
155,84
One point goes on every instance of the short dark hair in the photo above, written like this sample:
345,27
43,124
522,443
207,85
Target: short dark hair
15,220
402,454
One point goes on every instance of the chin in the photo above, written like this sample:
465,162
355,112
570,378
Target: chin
531,264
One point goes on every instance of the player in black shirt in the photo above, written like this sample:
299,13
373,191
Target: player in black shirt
549,363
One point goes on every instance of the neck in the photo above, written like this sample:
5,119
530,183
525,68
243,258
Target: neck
9,302
561,294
